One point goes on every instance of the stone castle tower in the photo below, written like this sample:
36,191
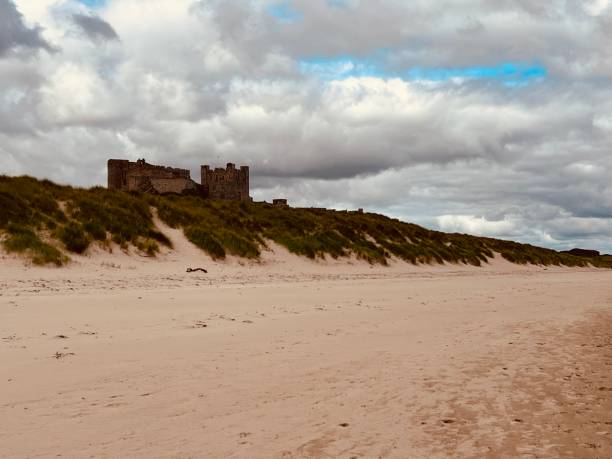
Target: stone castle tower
229,183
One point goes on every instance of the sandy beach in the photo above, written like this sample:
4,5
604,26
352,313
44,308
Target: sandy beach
299,229
124,356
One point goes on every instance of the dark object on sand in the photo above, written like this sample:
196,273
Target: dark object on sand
583,253
60,355
193,270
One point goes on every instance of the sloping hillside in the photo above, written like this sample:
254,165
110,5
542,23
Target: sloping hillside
46,222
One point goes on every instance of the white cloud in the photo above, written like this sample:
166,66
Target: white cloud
597,7
476,225
603,122
77,95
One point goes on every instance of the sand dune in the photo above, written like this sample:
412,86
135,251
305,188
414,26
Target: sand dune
123,356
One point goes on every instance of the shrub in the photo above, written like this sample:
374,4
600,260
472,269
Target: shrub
14,209
148,246
73,236
23,240
124,216
238,245
95,229
160,237
206,241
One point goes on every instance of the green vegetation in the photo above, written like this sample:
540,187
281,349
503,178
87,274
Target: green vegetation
241,229
21,239
74,237
75,218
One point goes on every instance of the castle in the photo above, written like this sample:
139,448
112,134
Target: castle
219,183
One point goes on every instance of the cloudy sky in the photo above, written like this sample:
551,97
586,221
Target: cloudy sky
490,117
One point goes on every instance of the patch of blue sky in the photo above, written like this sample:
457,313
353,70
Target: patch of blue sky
342,67
511,73
93,3
284,11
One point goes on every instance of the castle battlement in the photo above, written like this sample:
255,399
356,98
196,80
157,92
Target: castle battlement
229,183
219,183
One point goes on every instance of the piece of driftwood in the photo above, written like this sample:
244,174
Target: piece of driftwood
193,270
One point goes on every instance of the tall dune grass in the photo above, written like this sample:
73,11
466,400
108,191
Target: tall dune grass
74,218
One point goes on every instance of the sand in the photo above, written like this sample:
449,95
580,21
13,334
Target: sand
125,356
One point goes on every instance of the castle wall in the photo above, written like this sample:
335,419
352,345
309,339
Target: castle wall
175,185
280,203
142,177
161,172
229,183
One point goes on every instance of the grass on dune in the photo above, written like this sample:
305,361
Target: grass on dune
21,239
242,228
75,218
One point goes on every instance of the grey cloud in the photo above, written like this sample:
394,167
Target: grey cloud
14,33
95,28
19,80
558,34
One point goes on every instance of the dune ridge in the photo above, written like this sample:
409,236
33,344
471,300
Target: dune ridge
48,223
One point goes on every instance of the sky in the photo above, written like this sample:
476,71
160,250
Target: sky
490,117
